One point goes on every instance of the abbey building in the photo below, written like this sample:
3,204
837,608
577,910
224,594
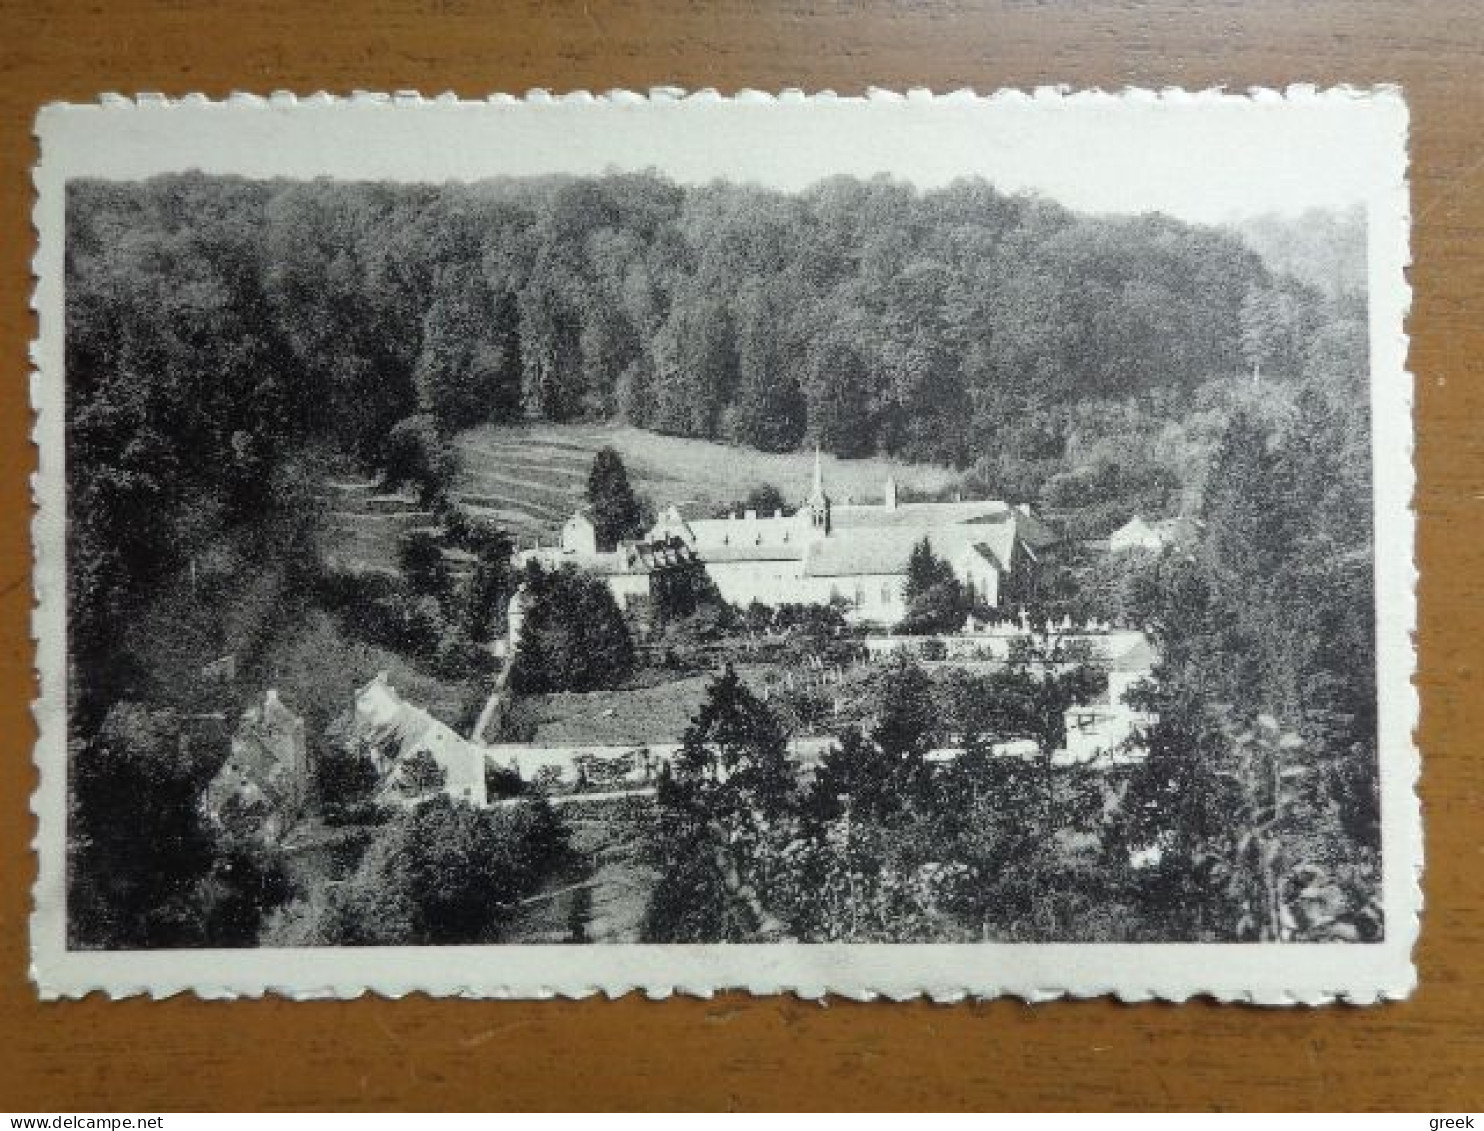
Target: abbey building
823,552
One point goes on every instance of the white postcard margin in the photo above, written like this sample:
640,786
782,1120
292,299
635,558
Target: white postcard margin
406,137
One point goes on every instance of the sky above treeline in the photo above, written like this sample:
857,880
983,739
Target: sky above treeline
1204,161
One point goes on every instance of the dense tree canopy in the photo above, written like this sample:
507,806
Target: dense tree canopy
441,873
866,313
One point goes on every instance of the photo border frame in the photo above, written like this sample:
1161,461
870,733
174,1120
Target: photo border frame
158,135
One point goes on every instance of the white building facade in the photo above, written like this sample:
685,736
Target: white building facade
858,553
822,553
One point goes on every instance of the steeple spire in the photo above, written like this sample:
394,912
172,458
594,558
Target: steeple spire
819,502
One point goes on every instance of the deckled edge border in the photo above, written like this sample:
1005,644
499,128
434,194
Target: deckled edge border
48,593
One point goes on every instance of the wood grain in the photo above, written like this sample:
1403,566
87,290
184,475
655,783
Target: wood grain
734,1052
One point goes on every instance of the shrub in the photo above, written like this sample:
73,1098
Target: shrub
940,608
421,561
500,781
343,778
416,453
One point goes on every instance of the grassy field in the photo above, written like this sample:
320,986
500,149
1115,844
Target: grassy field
614,718
363,529
533,477
626,716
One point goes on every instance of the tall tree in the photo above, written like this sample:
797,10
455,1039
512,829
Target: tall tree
769,411
1249,511
574,637
616,511
737,749
732,786
908,725
839,388
695,366
469,370
1278,320
551,350
925,569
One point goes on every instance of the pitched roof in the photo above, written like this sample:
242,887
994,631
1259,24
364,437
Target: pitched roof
1033,531
748,552
264,758
672,522
1167,531
277,719
992,536
383,717
252,771
865,551
885,549
679,514
871,539
764,538
780,529
916,514
986,551
1135,525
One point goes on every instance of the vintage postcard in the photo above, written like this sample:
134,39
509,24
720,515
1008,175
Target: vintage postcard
892,546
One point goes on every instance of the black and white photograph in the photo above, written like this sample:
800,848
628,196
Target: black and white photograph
947,546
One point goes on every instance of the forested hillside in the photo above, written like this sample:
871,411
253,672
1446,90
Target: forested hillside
1325,250
862,313
218,329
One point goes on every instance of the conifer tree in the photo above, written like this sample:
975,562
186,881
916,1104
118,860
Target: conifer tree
925,570
737,749
616,512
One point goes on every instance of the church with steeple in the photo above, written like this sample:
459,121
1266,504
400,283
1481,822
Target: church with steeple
857,553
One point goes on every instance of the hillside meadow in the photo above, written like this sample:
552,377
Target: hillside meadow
533,476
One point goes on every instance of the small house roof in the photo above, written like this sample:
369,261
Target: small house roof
1167,531
383,717
1135,525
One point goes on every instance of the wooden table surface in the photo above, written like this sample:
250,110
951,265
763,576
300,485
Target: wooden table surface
733,1052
